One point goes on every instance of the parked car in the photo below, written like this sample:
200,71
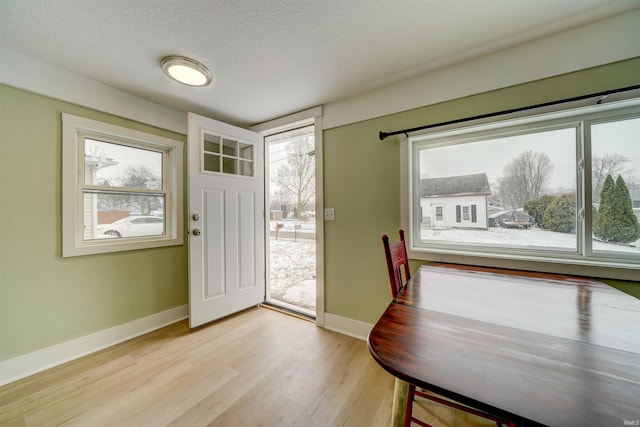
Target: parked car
133,226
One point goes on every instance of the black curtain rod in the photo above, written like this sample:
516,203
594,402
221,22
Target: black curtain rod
602,95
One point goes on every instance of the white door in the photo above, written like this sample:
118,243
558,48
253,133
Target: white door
226,219
439,215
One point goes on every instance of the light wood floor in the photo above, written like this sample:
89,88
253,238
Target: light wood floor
257,368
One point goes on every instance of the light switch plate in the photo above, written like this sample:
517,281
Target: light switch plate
329,214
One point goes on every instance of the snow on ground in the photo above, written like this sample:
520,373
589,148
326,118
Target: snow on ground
293,270
293,255
529,238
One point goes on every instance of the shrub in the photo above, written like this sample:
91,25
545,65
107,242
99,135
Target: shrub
560,215
536,207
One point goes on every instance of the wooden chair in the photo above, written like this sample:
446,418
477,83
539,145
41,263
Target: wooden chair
396,255
397,261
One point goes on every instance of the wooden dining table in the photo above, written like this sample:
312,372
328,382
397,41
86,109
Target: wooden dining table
532,348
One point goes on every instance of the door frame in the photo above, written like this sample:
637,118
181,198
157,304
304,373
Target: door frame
302,118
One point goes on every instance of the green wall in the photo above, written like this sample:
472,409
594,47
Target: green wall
45,299
362,182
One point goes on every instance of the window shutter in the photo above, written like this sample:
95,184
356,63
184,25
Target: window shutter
458,214
474,217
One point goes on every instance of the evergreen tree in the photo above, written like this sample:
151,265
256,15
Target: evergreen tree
625,227
615,220
600,217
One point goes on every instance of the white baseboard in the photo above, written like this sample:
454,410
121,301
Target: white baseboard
37,361
346,326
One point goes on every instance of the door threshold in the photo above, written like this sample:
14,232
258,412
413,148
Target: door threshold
290,311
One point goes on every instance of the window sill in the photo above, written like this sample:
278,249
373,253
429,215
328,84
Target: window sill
606,269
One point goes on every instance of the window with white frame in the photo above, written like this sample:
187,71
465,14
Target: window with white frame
556,187
122,188
466,213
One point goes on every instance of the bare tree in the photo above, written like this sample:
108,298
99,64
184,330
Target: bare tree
280,201
297,177
134,177
524,177
601,166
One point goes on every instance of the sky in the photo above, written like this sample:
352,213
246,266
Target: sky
277,152
618,137
491,156
125,156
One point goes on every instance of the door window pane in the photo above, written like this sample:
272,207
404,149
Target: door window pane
227,156
230,148
211,163
229,165
246,151
246,168
211,143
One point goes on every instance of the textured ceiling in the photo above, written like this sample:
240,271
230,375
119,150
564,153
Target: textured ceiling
274,57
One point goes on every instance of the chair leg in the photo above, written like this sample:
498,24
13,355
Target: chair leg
411,389
408,413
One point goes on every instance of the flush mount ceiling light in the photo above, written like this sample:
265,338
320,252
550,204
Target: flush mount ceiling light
186,71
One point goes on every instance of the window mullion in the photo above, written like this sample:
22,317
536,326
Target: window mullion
587,182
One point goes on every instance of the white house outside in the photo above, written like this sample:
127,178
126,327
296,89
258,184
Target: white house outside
92,164
455,201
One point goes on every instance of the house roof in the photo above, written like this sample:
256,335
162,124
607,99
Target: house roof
463,185
99,162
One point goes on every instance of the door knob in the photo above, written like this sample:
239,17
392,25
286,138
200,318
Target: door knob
196,231
195,216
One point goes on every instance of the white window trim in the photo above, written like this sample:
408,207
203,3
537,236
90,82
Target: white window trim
73,243
599,267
